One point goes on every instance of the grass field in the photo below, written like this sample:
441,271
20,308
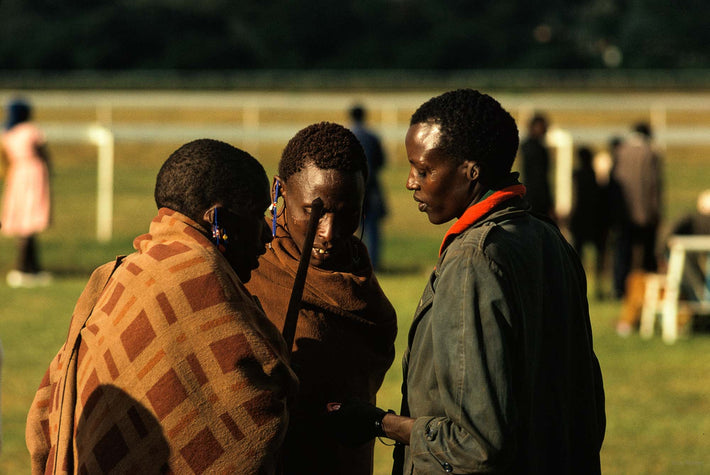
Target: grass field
658,396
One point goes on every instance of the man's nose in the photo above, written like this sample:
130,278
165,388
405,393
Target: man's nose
326,227
411,184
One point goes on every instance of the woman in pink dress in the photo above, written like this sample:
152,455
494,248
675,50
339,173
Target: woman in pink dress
26,197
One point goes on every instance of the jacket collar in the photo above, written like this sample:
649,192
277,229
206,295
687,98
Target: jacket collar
475,212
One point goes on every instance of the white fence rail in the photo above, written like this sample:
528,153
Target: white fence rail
250,119
392,109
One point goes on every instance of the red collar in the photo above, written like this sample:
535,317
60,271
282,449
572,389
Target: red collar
478,210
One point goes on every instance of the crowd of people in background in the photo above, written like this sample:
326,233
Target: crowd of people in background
616,198
617,208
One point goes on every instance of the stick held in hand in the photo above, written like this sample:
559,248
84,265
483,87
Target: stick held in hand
294,304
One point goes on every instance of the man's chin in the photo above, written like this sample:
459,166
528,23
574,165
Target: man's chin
435,219
333,261
438,219
318,262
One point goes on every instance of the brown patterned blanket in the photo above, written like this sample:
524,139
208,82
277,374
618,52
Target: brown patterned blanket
169,366
343,347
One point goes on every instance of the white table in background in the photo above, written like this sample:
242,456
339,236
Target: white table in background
680,247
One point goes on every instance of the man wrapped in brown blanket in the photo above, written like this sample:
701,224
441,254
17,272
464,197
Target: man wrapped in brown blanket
170,365
344,340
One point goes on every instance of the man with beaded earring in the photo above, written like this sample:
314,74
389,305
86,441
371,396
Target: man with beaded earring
500,375
170,365
344,340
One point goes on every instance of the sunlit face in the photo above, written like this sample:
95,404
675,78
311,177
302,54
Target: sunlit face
342,194
442,188
248,234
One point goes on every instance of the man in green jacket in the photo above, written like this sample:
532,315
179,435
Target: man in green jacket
499,374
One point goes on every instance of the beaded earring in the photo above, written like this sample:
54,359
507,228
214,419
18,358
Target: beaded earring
219,235
274,212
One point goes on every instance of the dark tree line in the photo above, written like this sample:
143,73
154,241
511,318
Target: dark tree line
355,34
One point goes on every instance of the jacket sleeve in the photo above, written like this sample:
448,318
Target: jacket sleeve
472,341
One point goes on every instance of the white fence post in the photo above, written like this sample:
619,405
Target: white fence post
564,159
659,124
104,139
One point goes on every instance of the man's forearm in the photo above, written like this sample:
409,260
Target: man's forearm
398,428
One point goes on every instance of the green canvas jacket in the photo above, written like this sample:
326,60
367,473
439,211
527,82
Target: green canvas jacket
500,373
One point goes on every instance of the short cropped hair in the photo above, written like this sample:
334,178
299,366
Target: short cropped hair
643,128
357,113
328,146
474,126
585,155
18,111
204,172
537,118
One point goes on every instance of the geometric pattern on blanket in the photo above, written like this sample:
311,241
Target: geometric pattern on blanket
176,371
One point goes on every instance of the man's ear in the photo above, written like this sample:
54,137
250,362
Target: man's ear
472,170
280,189
208,217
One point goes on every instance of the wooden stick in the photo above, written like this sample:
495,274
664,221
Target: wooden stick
294,304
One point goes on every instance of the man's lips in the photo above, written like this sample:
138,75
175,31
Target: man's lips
420,204
320,252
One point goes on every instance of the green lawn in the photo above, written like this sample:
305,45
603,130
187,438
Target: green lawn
658,396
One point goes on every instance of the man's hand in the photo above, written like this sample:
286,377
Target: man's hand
354,422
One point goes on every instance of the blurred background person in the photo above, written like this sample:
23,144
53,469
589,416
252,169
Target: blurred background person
589,220
26,196
346,328
536,166
375,207
637,172
604,163
696,274
695,283
697,222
